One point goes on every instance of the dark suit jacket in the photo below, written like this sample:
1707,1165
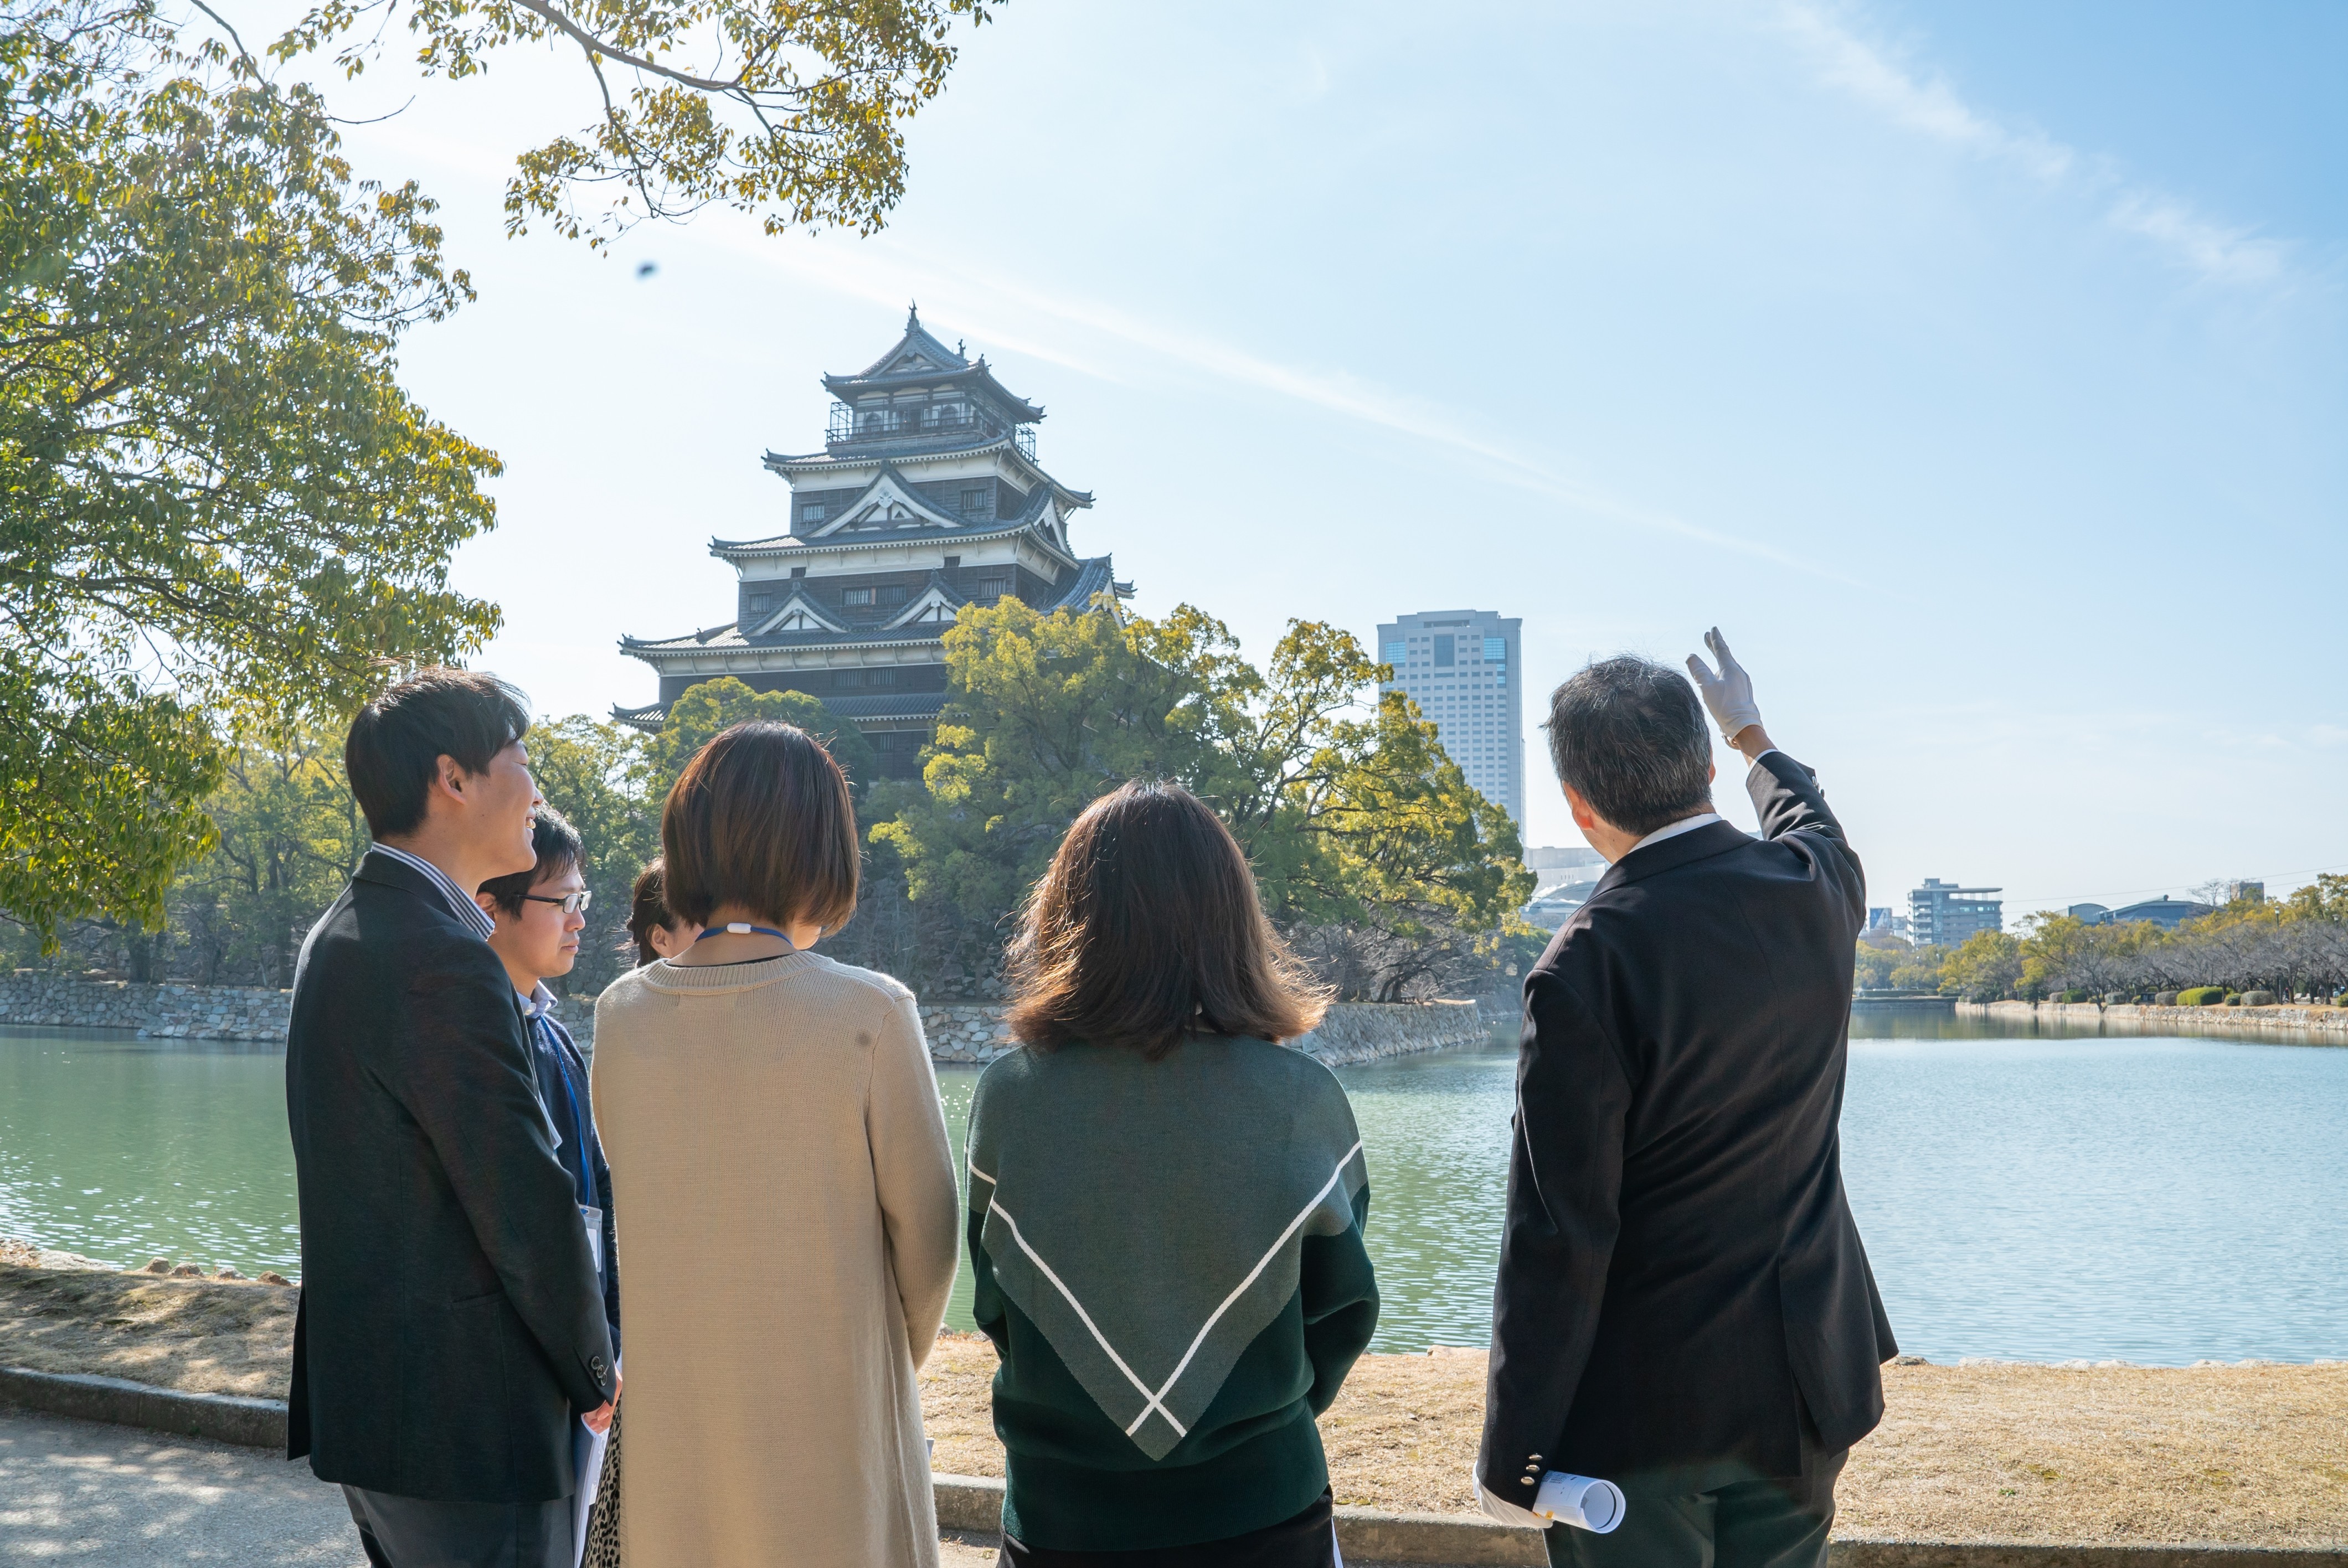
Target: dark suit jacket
451,1323
1680,1282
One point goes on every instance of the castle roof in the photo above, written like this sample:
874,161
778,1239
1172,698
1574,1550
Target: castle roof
908,706
886,628
918,359
890,510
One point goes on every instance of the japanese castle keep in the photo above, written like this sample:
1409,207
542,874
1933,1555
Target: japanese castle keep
925,498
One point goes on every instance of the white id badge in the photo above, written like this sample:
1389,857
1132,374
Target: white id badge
594,1221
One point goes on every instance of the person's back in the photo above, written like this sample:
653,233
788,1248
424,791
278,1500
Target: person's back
1165,1213
785,1191
1684,1305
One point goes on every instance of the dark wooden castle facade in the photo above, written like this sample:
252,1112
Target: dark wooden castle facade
925,498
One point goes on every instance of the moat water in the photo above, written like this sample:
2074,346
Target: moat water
2040,1194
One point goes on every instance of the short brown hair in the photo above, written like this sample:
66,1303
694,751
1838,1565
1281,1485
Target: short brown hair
394,749
1147,928
648,907
761,818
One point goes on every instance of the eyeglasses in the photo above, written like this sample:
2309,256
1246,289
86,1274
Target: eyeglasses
573,903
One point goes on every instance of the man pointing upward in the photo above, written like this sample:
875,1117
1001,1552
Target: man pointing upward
1683,1306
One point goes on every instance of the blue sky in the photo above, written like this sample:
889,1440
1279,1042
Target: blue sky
1978,368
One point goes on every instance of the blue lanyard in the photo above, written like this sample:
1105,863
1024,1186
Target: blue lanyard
578,1123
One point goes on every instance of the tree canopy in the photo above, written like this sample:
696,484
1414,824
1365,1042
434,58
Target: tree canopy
1369,845
698,714
220,507
792,110
2296,945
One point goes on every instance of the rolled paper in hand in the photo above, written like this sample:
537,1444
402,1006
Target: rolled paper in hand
1580,1500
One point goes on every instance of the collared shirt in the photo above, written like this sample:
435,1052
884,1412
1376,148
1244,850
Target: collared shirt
460,901
1685,824
1672,830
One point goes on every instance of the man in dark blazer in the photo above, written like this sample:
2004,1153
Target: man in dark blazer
451,1323
1683,1306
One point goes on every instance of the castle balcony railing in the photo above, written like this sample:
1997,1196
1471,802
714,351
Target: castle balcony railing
910,424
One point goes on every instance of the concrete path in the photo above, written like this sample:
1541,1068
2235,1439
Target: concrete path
82,1495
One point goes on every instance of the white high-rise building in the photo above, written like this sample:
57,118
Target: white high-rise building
1464,668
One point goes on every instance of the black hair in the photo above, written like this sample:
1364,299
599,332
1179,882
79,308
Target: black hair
559,849
394,749
1629,736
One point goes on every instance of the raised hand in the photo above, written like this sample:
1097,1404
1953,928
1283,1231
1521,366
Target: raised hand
1727,695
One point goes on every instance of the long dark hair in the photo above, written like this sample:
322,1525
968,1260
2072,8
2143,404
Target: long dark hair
1147,928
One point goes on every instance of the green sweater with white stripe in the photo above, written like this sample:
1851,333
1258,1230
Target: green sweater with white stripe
1169,1258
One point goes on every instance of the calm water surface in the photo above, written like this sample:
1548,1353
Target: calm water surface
2040,1195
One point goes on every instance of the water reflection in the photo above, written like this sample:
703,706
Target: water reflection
2042,1192
125,1149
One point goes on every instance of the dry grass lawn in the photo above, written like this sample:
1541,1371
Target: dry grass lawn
2253,1456
204,1335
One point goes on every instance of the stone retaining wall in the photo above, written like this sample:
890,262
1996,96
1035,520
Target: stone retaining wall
958,1032
2144,1019
1353,1031
169,1011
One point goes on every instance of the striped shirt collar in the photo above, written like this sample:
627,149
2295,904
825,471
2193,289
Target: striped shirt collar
460,901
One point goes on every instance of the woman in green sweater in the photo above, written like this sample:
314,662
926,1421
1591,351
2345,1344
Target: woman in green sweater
1166,1211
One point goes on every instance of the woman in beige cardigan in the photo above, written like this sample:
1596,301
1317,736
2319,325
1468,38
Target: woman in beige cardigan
785,1192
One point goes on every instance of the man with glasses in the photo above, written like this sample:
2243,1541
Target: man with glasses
540,914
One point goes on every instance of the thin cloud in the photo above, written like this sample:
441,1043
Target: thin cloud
1015,316
2233,255
1931,108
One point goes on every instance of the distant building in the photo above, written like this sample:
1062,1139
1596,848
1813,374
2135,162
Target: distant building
1943,914
1563,879
1551,906
1464,668
2093,914
2245,892
2166,913
1878,919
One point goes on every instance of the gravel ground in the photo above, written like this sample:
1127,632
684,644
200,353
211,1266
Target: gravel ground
84,1495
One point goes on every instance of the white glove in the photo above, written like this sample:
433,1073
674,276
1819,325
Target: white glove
1729,694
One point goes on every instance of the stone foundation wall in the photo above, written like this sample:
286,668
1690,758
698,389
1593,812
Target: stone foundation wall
1352,1032
1368,1031
169,1011
175,1011
2332,1023
958,1032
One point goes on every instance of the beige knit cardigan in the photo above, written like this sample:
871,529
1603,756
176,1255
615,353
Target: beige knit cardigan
787,1217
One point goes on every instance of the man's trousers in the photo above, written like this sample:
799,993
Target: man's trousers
1749,1524
413,1533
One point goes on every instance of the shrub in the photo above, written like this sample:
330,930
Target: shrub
2164,999
2201,997
2257,998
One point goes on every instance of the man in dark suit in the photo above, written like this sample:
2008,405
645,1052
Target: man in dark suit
1683,1306
451,1322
